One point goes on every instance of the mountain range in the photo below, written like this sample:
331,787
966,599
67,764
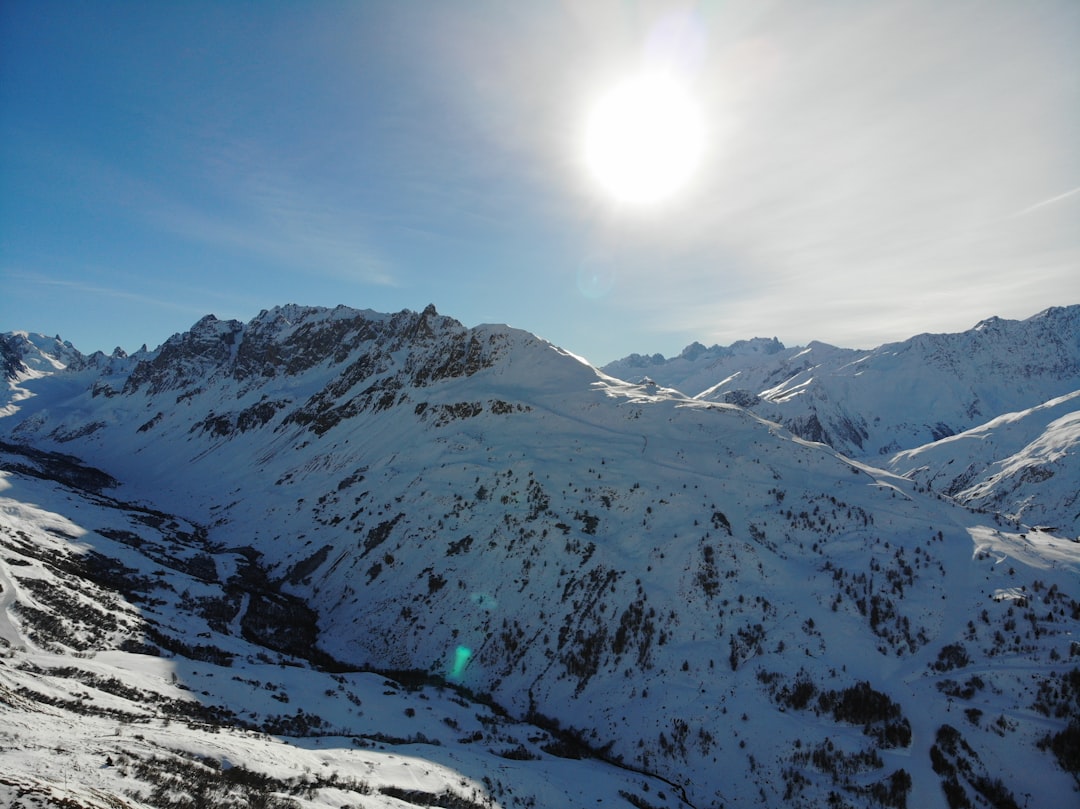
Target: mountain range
487,573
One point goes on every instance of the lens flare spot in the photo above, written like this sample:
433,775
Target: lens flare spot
678,39
484,601
462,656
595,280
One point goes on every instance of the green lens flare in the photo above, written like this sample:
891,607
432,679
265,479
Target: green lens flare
462,656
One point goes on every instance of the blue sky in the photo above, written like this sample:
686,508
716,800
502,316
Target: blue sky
872,170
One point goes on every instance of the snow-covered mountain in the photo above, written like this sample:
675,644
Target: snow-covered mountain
23,354
1023,465
874,403
687,590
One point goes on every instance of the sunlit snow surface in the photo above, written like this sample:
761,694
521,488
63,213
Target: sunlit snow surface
649,570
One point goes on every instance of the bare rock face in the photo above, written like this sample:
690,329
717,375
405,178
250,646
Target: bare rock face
11,357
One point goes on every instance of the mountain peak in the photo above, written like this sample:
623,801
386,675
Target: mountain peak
989,324
30,352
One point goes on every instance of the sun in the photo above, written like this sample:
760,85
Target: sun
644,139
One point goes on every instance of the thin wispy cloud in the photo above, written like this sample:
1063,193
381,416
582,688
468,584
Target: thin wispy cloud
98,290
259,209
1050,201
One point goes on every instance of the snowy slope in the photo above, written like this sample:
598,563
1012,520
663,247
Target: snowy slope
689,589
897,396
1025,466
134,667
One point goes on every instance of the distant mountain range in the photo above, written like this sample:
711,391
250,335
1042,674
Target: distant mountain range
888,404
744,575
870,404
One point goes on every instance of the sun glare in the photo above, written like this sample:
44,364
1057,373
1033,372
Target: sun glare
644,139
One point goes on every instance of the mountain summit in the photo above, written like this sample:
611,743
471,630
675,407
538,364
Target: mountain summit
685,581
